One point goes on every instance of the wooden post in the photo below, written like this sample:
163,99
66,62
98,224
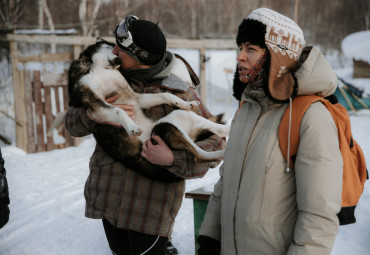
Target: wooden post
203,86
31,145
48,117
57,99
38,111
76,51
19,109
296,5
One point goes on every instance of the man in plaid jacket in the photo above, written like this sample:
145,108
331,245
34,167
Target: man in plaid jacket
138,213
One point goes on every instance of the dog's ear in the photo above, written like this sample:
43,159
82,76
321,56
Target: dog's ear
99,39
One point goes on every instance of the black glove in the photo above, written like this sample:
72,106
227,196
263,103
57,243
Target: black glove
208,246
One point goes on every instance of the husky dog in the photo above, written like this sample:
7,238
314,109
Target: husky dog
94,77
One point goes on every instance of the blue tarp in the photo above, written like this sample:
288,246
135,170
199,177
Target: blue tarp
351,96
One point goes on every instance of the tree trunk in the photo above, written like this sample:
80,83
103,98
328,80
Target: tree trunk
41,14
48,15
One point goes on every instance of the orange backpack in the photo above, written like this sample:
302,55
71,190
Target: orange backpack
354,166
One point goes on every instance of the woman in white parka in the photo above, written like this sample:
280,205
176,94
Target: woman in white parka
258,207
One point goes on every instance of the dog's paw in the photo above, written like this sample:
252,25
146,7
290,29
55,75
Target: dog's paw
194,104
135,131
188,105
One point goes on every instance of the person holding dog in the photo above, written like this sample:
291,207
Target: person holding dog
138,213
260,205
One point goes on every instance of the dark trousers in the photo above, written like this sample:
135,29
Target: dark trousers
128,242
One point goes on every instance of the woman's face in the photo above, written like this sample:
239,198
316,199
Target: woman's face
248,57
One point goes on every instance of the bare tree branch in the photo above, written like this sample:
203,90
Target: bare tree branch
12,10
10,117
48,15
94,14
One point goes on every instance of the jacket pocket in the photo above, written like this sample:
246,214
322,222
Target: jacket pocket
104,175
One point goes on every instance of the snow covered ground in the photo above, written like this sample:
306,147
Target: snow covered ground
46,189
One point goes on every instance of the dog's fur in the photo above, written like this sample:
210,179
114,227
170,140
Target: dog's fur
94,77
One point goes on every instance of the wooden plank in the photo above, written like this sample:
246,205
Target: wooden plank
76,51
38,111
52,78
54,57
48,117
205,43
49,39
31,145
203,86
65,97
19,115
84,41
20,111
57,99
202,193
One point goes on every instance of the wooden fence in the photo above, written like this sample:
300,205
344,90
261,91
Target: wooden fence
34,101
34,91
39,100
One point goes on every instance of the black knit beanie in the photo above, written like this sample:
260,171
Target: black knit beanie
148,36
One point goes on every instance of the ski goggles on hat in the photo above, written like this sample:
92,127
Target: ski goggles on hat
122,32
125,41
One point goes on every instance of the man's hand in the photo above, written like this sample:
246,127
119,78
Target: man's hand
158,153
128,108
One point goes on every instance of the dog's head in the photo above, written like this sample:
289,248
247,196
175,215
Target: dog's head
101,54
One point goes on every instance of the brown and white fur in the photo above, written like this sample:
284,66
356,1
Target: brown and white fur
94,76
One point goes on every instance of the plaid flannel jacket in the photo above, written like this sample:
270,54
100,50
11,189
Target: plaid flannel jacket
127,199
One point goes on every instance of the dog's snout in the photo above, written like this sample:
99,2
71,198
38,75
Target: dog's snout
117,61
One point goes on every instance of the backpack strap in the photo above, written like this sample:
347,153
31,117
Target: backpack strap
299,106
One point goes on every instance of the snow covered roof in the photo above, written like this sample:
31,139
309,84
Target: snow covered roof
357,46
46,32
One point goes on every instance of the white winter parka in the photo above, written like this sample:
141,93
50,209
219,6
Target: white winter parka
257,208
